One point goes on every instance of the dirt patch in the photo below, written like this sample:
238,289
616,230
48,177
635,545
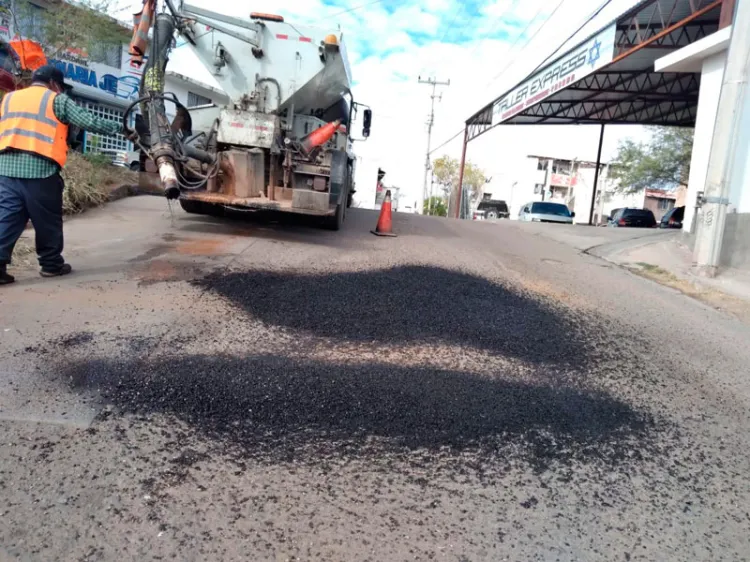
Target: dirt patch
200,247
719,300
163,271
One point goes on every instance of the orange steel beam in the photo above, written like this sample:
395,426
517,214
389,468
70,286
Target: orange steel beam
668,30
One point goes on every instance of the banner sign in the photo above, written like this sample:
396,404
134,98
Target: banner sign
585,59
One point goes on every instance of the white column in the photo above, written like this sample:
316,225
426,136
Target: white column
712,74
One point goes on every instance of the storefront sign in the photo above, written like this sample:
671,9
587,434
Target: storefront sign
586,59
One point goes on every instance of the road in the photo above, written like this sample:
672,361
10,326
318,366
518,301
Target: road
206,389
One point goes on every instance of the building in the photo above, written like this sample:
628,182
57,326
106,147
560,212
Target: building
548,178
708,56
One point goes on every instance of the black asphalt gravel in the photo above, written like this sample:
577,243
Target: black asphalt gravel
465,392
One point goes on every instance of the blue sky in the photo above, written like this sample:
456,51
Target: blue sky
482,46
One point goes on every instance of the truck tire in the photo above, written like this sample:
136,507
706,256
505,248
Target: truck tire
491,214
336,221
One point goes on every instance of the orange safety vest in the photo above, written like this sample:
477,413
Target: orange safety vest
28,123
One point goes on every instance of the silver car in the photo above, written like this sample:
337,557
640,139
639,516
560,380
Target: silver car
545,211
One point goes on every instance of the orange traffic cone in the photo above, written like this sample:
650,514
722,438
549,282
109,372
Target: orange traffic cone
385,226
320,136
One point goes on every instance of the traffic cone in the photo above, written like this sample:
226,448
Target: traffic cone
385,225
320,136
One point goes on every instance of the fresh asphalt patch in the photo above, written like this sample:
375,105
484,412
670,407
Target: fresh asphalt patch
274,409
279,408
408,304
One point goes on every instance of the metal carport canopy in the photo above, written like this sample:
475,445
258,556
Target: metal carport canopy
609,78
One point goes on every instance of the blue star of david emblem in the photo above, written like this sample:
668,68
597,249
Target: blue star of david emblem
594,53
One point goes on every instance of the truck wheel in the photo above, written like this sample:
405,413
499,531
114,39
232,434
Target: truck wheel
336,221
193,207
491,214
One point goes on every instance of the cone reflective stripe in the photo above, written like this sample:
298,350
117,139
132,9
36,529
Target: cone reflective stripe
385,223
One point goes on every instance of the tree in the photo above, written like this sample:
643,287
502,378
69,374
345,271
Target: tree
662,162
446,171
80,31
435,206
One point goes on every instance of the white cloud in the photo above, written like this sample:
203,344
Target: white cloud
470,49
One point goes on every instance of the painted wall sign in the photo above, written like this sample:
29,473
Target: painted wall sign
98,80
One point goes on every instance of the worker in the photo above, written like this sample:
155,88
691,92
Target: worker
33,150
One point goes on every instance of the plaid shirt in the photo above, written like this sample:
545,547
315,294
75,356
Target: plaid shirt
17,164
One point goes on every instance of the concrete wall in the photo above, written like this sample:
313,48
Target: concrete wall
735,249
711,77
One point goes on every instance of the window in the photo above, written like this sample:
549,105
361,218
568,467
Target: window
107,53
194,100
665,204
541,164
104,143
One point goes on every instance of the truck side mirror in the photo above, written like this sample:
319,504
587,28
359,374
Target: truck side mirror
366,123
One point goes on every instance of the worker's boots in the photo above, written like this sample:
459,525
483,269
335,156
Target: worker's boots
5,277
64,270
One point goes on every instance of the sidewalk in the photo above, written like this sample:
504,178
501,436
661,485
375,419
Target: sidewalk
668,261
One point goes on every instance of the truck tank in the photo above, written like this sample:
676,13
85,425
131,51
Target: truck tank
283,141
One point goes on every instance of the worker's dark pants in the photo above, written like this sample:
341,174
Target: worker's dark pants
41,201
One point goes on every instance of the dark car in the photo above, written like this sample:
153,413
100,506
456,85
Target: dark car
494,209
639,218
673,218
612,214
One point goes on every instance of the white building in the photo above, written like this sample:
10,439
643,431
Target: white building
547,178
708,56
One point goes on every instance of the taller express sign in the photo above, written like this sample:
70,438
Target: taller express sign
587,58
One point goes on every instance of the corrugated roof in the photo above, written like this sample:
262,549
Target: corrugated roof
626,89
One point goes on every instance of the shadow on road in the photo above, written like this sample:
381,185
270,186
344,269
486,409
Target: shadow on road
277,409
268,225
408,304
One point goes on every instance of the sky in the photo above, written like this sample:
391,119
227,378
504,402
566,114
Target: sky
484,47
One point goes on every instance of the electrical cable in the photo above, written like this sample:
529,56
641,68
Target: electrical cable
515,43
354,9
449,140
520,36
572,35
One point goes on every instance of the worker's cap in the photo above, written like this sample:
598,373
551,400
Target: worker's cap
49,73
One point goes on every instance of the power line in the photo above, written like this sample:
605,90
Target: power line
354,9
515,43
461,130
572,35
520,36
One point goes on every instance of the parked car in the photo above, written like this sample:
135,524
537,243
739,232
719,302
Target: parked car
127,159
638,218
673,218
545,211
494,209
612,214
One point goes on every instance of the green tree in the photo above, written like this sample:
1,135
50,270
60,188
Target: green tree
81,30
662,162
446,171
435,206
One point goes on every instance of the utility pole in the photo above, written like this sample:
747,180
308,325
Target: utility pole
431,121
724,158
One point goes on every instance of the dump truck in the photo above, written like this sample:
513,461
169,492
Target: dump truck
283,142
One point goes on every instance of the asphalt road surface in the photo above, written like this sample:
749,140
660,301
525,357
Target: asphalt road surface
246,389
